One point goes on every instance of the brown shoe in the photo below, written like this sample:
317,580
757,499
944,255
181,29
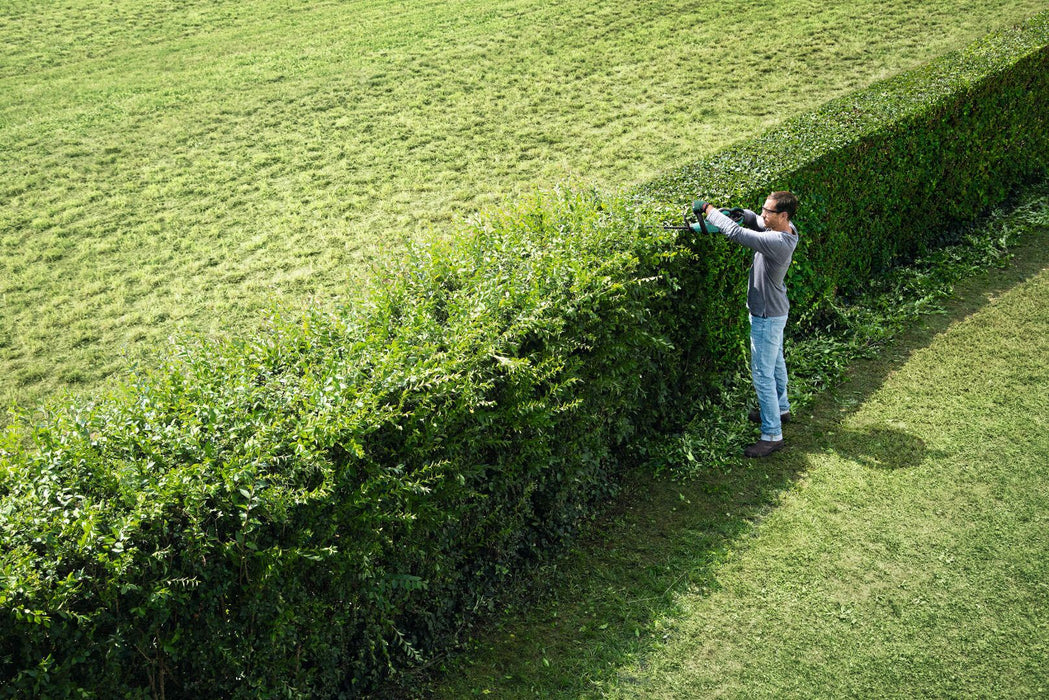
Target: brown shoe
755,416
763,448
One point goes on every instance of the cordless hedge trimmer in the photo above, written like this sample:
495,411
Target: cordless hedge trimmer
697,223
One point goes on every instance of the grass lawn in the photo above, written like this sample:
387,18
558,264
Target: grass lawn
170,168
897,548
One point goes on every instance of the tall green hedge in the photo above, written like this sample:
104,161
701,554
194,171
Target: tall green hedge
299,513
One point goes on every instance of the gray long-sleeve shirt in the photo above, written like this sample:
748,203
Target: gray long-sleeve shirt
773,250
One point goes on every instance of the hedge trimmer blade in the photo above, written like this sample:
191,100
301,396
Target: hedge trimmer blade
693,225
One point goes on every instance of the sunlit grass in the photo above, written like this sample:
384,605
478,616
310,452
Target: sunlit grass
175,168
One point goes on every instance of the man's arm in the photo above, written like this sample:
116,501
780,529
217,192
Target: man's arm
764,242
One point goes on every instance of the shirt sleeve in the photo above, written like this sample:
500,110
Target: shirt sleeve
768,243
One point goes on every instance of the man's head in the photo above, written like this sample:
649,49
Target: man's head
778,210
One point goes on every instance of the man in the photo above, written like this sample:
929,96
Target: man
773,242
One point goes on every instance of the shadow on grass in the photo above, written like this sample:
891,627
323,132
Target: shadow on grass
603,606
880,448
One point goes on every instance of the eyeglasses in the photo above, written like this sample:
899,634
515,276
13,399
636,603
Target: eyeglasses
770,211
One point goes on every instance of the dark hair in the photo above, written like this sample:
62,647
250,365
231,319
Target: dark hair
785,201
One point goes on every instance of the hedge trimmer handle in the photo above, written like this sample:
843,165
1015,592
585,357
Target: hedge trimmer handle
695,222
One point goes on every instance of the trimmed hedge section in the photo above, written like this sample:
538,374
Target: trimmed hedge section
301,513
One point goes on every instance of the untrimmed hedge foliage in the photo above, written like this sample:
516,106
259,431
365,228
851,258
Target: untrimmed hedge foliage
300,513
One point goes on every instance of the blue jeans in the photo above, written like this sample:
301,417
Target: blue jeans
769,372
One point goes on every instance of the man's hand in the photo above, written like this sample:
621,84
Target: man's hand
699,208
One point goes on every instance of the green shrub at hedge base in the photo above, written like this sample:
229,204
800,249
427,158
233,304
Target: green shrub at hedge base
300,513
